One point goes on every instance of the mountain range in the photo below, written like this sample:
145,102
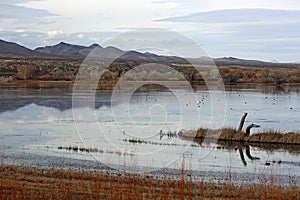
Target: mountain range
65,50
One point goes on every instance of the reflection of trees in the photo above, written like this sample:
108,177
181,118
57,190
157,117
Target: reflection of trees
265,88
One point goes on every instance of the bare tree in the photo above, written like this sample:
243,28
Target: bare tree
265,75
25,71
279,77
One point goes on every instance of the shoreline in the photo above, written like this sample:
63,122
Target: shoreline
108,86
63,162
29,182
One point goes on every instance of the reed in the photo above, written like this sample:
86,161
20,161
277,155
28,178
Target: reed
20,182
230,134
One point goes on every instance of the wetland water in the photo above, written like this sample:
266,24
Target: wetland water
139,135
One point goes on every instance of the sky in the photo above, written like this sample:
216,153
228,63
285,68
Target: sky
266,30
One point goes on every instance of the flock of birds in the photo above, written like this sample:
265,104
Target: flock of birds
201,99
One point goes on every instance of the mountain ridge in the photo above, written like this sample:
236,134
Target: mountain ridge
11,48
74,51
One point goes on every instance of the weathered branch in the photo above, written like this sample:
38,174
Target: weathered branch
242,122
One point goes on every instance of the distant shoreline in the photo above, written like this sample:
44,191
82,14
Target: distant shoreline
108,86
16,70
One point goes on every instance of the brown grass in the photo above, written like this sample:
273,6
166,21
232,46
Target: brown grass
31,183
229,134
276,137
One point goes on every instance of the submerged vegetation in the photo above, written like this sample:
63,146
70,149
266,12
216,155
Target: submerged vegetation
92,150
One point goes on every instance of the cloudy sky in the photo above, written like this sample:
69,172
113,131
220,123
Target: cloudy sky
265,30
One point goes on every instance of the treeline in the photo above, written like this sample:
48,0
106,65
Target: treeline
52,69
275,76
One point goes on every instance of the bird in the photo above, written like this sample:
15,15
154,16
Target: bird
249,128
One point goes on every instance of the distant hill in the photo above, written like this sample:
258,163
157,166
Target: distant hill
250,63
63,50
76,51
66,50
14,49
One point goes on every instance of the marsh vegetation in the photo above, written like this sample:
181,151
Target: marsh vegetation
18,182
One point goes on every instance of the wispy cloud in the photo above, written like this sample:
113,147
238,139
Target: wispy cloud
240,16
13,16
22,13
15,2
257,33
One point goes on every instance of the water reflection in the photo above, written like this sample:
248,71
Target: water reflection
244,147
266,89
247,147
242,98
59,94
60,103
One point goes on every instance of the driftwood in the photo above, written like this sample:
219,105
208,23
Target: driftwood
242,121
248,127
242,140
246,134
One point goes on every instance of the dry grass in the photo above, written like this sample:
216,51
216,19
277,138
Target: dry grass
229,134
276,137
32,183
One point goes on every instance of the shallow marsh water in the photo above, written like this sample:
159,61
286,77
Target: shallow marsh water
134,136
